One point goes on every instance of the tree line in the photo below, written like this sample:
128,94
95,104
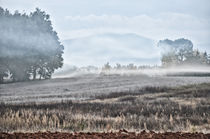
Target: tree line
129,66
175,53
29,47
180,52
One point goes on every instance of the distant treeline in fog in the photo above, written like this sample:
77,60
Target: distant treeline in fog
180,52
29,47
175,54
130,66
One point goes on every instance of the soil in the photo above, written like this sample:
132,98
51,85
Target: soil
116,135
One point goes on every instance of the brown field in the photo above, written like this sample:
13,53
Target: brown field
161,109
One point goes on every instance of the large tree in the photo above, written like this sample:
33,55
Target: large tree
28,45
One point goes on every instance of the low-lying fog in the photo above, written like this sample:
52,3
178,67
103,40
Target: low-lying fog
87,82
72,71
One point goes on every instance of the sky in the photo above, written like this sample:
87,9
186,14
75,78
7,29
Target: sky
121,31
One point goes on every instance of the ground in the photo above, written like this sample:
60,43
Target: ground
86,87
107,103
117,135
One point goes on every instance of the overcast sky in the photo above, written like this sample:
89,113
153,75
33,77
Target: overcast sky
152,19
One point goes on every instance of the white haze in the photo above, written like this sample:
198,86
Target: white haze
187,70
110,47
152,19
86,28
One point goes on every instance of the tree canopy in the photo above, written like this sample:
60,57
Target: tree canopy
28,46
180,52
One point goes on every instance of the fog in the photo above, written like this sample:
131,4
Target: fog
164,40
79,20
98,49
182,71
177,58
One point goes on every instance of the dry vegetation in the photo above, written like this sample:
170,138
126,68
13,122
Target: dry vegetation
185,108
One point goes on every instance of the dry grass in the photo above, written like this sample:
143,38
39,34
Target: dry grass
185,108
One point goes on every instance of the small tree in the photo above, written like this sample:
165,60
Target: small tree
118,66
131,66
106,66
3,72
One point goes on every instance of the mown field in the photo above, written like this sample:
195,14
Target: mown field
86,87
166,105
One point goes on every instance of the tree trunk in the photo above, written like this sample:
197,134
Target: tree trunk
1,79
34,74
40,77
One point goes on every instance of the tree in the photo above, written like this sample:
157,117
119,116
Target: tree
131,66
29,45
3,70
180,52
118,66
106,66
169,59
208,57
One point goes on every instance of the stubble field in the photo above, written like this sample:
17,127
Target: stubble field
107,103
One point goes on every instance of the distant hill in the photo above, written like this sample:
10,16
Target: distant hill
110,47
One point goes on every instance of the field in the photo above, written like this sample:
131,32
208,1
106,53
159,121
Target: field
107,103
87,87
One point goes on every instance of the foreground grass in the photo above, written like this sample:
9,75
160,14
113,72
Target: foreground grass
185,108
